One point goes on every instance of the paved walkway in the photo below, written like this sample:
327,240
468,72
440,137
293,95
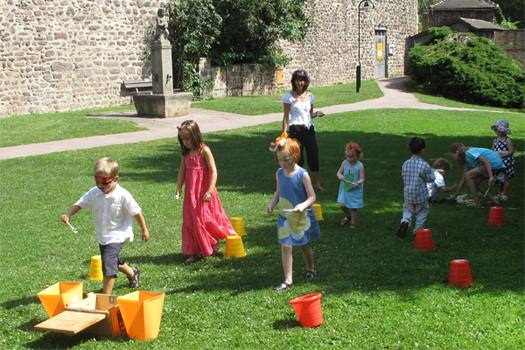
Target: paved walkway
395,96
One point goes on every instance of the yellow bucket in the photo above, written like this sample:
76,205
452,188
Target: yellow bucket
95,269
238,226
318,212
234,247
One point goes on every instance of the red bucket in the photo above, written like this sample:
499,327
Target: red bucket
308,309
496,216
424,240
460,273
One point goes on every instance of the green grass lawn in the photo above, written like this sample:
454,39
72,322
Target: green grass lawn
426,97
33,128
265,104
378,292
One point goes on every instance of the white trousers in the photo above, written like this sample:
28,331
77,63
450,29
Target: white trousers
419,211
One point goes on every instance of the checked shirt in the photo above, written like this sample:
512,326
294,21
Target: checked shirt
416,173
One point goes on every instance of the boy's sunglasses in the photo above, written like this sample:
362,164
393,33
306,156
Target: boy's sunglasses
103,180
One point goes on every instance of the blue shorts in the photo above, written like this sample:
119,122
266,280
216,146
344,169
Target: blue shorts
110,260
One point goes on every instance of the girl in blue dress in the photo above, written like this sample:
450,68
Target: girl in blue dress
297,223
352,176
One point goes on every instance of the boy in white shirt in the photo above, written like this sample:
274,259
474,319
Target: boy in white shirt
440,168
113,211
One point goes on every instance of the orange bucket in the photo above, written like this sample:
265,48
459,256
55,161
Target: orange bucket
141,312
424,240
460,273
55,298
496,216
238,226
308,309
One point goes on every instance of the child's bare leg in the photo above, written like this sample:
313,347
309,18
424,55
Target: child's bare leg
286,253
471,176
127,270
353,213
483,190
505,184
308,256
347,214
107,284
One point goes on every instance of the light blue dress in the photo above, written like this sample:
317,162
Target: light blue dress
349,195
294,228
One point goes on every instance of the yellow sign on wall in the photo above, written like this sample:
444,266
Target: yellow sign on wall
380,51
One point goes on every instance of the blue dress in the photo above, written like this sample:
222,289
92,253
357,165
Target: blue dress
349,195
294,228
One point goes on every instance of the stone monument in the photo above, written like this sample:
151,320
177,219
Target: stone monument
162,103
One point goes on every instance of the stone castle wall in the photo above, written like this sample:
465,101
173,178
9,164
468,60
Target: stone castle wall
58,55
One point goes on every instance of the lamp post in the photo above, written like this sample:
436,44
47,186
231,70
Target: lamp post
366,6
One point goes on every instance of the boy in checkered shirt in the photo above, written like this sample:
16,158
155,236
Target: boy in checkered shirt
416,174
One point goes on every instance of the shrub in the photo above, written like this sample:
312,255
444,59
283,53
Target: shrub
467,68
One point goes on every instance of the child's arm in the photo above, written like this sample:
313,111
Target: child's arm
275,199
140,220
444,188
307,183
340,172
75,208
181,177
361,176
487,164
210,161
460,186
428,174
494,143
510,151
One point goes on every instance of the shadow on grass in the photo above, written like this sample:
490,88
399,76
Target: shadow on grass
371,257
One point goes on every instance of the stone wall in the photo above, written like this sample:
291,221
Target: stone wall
58,55
238,79
443,18
513,42
63,55
330,52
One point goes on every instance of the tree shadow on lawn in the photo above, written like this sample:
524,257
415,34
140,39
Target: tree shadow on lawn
370,257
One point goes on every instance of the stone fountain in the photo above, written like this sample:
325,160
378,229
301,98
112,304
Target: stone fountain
162,103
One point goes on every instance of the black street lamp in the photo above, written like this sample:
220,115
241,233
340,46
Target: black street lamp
366,6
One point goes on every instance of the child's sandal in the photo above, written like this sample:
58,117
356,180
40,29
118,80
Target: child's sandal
353,226
345,220
134,281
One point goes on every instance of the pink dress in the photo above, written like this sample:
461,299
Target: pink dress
204,223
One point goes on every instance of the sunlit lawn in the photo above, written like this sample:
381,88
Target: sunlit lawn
378,292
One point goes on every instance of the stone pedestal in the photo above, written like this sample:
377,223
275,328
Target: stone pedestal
161,68
163,106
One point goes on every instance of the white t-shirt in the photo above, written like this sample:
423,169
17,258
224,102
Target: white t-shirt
299,110
112,214
435,187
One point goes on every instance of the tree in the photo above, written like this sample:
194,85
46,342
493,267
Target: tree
194,25
231,31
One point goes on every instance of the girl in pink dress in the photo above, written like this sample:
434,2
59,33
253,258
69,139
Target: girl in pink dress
204,221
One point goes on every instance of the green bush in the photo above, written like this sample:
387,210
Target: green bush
467,68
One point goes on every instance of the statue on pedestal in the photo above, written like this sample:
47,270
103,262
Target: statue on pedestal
161,33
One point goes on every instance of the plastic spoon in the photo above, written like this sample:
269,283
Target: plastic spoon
74,229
